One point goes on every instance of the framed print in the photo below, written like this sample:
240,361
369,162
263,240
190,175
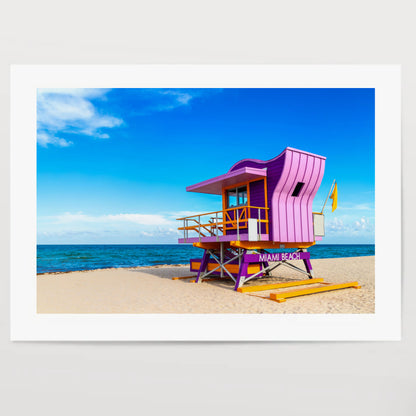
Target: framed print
205,202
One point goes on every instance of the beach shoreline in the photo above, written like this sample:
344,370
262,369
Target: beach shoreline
150,289
154,266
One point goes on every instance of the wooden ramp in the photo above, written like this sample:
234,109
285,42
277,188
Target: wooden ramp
282,296
212,279
261,288
209,279
183,277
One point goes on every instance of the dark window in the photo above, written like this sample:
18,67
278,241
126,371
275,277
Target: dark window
242,195
231,198
237,197
297,189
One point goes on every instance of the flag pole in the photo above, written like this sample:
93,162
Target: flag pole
326,200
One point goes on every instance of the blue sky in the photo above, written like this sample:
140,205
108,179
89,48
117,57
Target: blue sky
112,165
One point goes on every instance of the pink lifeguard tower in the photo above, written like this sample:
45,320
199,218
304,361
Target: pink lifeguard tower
265,205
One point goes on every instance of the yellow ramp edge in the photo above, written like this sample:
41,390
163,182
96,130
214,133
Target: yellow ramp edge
182,277
281,297
272,286
210,279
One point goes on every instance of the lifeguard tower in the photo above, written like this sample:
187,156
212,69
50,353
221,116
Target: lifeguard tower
265,205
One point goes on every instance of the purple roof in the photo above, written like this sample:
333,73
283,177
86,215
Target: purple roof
266,162
216,185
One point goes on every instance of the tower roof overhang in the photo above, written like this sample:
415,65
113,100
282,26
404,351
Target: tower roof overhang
217,184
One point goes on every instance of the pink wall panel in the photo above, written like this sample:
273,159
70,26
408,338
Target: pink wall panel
298,220
277,205
292,216
305,232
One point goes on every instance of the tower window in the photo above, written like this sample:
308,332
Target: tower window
298,188
237,197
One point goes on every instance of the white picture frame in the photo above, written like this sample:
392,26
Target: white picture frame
384,324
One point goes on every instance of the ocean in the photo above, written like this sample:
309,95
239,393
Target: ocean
65,258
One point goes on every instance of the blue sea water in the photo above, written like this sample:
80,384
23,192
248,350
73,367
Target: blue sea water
64,258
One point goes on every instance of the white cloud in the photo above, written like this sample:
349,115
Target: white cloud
162,232
78,92
349,226
141,219
71,111
44,139
336,225
153,100
176,98
109,228
161,228
183,214
357,207
363,225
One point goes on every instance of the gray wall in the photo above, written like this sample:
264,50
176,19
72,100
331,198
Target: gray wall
150,378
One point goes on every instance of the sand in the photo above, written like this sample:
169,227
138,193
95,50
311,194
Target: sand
151,290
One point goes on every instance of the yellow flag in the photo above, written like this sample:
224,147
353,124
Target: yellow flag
334,197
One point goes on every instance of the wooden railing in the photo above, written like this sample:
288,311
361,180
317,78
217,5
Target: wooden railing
217,223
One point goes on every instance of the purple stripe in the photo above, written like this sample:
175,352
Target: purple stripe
308,216
297,217
279,207
290,221
315,188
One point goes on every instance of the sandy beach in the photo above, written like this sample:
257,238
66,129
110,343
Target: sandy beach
152,290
